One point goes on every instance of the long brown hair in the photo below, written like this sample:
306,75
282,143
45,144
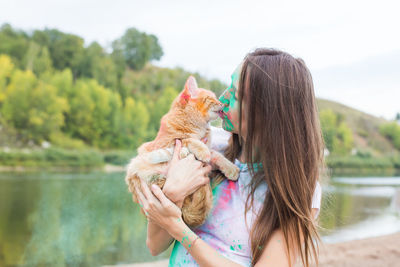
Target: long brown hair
284,134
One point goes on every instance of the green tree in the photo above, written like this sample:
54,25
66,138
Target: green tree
113,133
62,80
37,59
16,107
93,112
97,64
33,107
135,125
6,68
392,131
66,50
160,107
137,48
80,122
338,137
344,139
13,43
328,125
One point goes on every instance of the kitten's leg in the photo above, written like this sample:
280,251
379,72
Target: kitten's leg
207,138
158,155
230,170
133,182
198,148
164,155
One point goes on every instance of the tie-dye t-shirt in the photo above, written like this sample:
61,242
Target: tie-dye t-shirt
225,229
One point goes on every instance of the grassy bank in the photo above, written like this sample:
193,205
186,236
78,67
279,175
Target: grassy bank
358,165
57,158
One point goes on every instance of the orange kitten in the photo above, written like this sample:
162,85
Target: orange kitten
188,120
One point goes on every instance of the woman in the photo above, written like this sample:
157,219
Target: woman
267,217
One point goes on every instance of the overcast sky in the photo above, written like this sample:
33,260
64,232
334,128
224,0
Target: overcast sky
352,47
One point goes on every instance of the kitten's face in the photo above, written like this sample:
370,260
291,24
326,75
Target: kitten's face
198,102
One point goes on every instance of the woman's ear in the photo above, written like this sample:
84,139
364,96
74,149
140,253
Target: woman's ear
190,91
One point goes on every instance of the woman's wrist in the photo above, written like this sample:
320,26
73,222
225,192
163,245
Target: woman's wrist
181,232
175,227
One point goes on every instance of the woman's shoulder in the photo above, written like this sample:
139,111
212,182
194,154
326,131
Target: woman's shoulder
219,138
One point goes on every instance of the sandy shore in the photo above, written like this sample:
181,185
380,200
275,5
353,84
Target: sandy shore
377,251
161,263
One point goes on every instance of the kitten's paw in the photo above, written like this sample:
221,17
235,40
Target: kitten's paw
231,171
199,149
204,156
184,152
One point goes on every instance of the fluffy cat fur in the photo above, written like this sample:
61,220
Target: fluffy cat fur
188,120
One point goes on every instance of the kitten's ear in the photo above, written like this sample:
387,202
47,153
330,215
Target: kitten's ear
190,91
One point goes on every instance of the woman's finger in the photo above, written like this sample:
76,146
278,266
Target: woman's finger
152,201
144,204
160,195
177,150
146,191
141,198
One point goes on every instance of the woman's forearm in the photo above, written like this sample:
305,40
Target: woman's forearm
204,254
158,239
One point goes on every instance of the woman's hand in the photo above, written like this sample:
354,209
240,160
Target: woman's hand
158,208
184,176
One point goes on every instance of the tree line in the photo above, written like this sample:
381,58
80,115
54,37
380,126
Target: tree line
54,89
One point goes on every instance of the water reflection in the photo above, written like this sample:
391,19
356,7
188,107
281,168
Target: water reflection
88,219
69,220
354,208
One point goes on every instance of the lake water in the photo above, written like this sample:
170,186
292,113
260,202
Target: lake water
88,219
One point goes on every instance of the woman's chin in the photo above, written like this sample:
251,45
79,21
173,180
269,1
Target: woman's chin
226,126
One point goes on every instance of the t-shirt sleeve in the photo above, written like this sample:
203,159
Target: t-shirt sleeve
219,138
316,200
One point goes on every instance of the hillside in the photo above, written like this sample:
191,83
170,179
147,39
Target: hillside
365,128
